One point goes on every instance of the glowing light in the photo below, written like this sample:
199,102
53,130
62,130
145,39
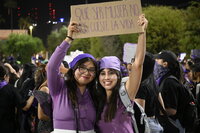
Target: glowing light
62,19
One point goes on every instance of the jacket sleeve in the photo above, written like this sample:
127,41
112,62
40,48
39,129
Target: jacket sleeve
55,82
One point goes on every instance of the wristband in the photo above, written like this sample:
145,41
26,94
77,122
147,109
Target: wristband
70,38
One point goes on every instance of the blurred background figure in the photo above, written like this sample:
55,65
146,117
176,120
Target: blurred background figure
41,93
10,99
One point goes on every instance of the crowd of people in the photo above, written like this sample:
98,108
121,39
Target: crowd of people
83,96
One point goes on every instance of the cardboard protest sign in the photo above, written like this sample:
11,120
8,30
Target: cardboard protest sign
129,52
109,18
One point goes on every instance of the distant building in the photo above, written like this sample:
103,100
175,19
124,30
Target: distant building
4,34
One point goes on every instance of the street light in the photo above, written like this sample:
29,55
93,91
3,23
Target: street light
31,29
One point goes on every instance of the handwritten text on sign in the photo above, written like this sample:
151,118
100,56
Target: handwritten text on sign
110,18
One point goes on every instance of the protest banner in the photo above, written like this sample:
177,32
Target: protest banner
109,18
129,52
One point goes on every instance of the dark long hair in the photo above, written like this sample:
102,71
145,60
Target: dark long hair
148,65
40,75
72,83
112,102
28,72
173,64
175,69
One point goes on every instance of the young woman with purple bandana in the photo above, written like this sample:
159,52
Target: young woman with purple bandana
111,115
72,96
166,66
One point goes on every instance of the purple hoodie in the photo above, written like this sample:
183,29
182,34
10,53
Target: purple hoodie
63,113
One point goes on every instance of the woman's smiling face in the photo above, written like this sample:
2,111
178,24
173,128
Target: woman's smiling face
85,73
108,78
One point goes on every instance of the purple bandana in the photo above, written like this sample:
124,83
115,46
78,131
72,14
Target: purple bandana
110,62
2,84
159,71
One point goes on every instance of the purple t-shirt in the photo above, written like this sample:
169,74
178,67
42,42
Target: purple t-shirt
122,122
63,113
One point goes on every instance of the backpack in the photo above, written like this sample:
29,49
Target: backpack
140,123
187,111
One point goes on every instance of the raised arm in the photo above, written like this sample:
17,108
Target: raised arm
12,70
133,83
55,81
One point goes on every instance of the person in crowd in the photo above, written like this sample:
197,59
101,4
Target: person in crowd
196,79
41,93
111,116
129,68
195,55
10,99
17,68
72,96
196,73
149,94
13,74
124,69
188,80
166,65
25,85
27,77
63,69
65,63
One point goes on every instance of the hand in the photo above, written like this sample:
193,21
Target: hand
143,22
72,27
12,70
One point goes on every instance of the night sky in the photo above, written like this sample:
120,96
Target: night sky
63,11
63,6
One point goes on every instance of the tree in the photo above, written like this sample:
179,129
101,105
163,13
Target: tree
131,38
23,46
97,49
24,23
112,46
106,46
191,39
55,38
166,28
83,44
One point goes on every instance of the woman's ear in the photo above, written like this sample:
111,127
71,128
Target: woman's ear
165,64
4,77
194,76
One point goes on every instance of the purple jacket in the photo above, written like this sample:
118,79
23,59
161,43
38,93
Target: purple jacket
63,113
